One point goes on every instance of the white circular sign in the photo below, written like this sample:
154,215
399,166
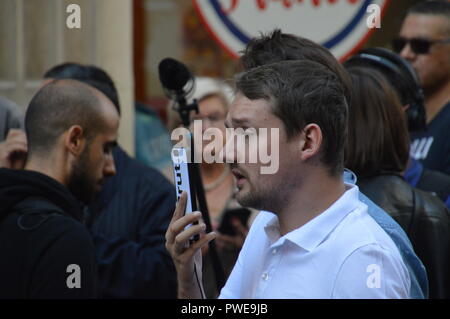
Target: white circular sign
340,25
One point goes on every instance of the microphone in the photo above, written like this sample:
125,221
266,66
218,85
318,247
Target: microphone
175,78
178,82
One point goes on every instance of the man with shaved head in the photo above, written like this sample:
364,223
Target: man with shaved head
46,251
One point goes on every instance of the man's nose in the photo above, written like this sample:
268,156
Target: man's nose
110,167
407,53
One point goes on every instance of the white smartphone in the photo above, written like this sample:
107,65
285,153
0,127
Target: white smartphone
183,180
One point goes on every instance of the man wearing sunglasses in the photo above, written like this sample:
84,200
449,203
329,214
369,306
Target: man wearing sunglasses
424,40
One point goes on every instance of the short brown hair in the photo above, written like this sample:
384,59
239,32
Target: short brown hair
278,46
303,92
378,138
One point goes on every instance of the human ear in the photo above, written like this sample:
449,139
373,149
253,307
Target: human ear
311,141
75,140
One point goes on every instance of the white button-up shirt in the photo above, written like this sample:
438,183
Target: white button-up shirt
341,253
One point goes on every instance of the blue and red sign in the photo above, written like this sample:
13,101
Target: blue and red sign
339,25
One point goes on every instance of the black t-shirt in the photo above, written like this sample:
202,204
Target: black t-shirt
432,146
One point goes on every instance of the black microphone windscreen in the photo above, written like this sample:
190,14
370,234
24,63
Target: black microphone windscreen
173,74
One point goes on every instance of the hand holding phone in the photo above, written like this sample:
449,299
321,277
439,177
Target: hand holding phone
187,255
182,175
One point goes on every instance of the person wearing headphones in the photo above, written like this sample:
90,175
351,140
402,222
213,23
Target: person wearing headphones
404,80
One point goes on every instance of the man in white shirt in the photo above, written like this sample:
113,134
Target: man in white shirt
319,242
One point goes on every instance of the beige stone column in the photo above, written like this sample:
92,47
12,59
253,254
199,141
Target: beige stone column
113,43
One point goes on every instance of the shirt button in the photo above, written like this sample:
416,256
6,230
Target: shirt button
265,276
274,251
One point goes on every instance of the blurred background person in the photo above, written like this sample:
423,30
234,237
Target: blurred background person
377,151
403,79
129,218
13,142
10,117
424,40
152,140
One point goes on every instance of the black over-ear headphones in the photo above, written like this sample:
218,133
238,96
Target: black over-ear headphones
402,77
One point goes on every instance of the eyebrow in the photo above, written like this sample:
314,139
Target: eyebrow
237,122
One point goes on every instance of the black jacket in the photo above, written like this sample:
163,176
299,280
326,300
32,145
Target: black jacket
41,239
128,223
427,179
424,218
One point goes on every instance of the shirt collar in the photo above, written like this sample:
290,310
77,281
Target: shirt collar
313,233
349,176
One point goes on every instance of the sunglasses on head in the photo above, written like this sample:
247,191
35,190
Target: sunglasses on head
417,45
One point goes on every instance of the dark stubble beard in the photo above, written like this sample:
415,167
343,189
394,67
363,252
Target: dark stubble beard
262,198
271,198
82,182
